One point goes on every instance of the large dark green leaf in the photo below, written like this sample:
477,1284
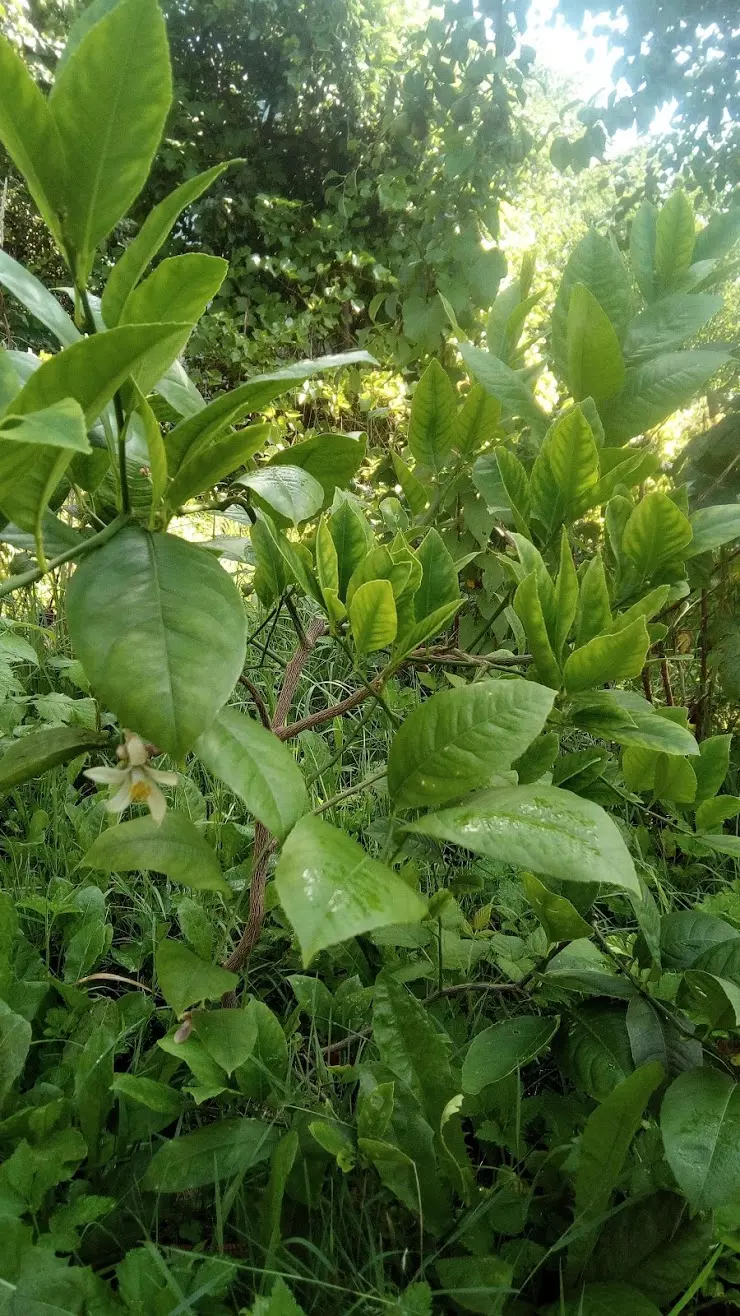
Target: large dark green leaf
504,1048
109,103
217,1152
43,750
714,526
290,491
700,1123
598,1052
685,935
657,388
167,661
332,890
255,766
654,1244
541,828
174,847
160,221
459,738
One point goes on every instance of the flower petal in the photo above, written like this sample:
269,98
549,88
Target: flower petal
163,778
121,800
109,776
157,805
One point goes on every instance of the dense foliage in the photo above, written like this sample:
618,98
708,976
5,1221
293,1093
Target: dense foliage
368,924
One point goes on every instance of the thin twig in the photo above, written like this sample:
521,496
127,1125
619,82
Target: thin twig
325,714
258,700
351,790
474,987
113,977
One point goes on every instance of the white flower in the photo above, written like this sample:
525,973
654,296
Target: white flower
136,782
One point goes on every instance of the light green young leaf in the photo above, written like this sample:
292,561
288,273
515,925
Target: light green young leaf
615,657
93,369
714,526
332,890
216,1153
288,490
212,459
414,490
422,631
505,1047
37,299
144,423
35,451
30,136
595,361
657,532
160,1097
594,610
650,730
229,1036
566,471
710,813
352,537
372,616
185,980
528,609
646,607
456,740
541,828
168,661
700,1123
439,584
675,235
674,779
178,291
516,483
255,766
174,847
596,262
432,419
379,564
712,766
158,224
476,421
559,918
326,559
109,103
508,388
566,596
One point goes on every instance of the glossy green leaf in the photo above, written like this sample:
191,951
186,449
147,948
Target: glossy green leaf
508,388
332,459
35,451
657,532
558,916
332,890
30,137
594,610
674,780
379,564
649,729
212,459
372,615
700,1123
352,537
159,1097
36,298
157,226
675,235
714,526
712,765
439,584
422,631
566,596
257,767
566,471
253,396
109,103
476,422
597,1053
144,423
614,657
456,740
645,607
595,361
540,828
712,813
93,369
178,291
656,388
412,1047
669,323
414,490
528,608
174,847
288,490
596,262
217,1152
717,999
685,935
185,980
432,419
642,248
516,483
505,1047
41,751
167,663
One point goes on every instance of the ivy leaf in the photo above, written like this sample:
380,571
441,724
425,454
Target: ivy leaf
257,767
457,739
168,661
332,890
540,828
174,847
